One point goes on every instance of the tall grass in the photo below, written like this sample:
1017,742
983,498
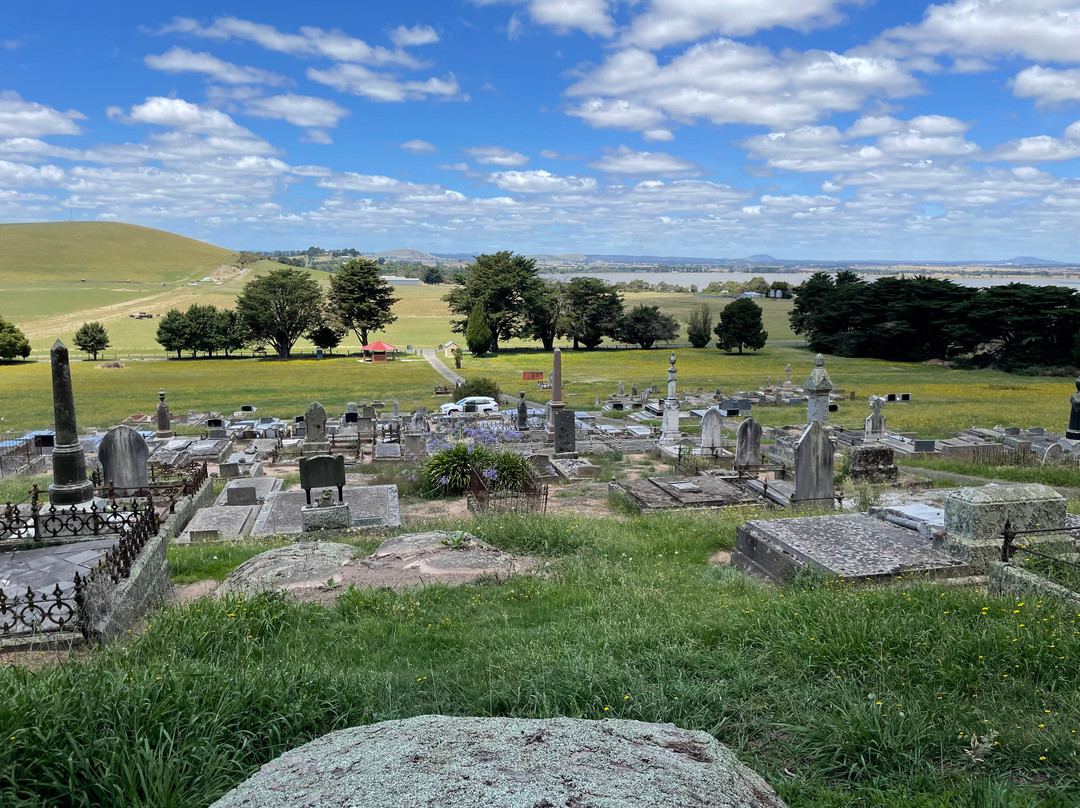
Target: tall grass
837,695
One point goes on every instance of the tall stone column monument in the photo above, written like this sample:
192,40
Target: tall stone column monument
669,431
70,485
164,417
818,387
557,404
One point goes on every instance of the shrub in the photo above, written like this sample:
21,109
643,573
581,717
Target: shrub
478,334
480,386
448,471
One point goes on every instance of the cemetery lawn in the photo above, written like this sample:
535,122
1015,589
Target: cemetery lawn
106,396
1062,476
837,695
944,400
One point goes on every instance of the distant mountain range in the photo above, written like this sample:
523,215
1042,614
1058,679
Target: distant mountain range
600,260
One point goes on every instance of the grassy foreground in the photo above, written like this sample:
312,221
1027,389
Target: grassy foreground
839,696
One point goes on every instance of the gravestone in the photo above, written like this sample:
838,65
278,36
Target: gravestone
352,406
218,434
352,417
787,378
227,471
669,430
565,441
622,389
814,468
748,444
818,387
70,485
315,442
215,423
369,412
633,390
522,414
123,455
874,426
322,471
1073,432
164,419
712,424
414,445
418,422
387,451
241,495
873,463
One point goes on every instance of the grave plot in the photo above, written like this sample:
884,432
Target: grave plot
660,493
370,506
848,546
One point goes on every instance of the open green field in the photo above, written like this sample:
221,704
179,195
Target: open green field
105,396
839,696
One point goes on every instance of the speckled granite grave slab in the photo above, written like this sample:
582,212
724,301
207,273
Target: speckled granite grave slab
851,546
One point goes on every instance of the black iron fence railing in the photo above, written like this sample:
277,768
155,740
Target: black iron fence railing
530,497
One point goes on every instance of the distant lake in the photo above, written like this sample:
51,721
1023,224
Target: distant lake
703,279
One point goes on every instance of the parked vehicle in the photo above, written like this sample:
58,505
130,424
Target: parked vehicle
481,404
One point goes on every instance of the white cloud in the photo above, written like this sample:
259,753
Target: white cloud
419,146
1047,85
541,182
640,163
617,113
1041,148
552,154
299,110
496,156
180,115
657,135
19,118
374,183
317,136
591,16
358,80
405,37
311,41
1044,30
729,82
667,22
181,60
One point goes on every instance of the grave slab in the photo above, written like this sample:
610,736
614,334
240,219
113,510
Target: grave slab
233,523
849,546
281,511
660,493
263,486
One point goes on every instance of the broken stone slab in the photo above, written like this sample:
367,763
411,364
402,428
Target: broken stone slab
466,762
412,559
334,517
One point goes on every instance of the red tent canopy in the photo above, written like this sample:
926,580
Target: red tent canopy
379,346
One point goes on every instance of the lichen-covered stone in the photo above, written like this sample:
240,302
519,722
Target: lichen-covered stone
334,517
283,566
436,761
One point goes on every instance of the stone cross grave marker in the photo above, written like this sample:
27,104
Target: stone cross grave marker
814,467
748,444
123,455
712,424
323,471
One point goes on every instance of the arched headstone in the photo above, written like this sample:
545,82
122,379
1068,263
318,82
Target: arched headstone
814,467
712,424
748,444
123,455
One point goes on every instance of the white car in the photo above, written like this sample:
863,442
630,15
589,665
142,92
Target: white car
483,404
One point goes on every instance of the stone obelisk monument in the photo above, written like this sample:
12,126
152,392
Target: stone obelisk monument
669,431
556,403
70,485
164,418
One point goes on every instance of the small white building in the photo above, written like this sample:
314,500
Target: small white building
449,349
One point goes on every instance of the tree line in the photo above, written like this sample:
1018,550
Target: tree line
919,318
274,311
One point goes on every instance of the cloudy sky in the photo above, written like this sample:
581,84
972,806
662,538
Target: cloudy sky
802,128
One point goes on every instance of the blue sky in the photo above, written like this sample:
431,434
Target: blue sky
801,128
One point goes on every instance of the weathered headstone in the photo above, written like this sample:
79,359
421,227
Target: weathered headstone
787,378
322,471
164,418
814,467
633,390
241,495
669,431
712,424
874,426
818,387
872,462
1073,432
352,417
556,404
565,439
522,413
70,485
123,455
748,444
315,442
621,389
352,406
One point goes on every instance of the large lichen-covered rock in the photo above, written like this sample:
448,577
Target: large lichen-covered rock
285,567
440,761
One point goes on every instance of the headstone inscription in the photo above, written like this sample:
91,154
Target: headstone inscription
322,471
565,439
123,455
748,444
814,467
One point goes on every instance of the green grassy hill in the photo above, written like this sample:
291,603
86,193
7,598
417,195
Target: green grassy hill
101,252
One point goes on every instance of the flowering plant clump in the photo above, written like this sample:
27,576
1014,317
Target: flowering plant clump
447,471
